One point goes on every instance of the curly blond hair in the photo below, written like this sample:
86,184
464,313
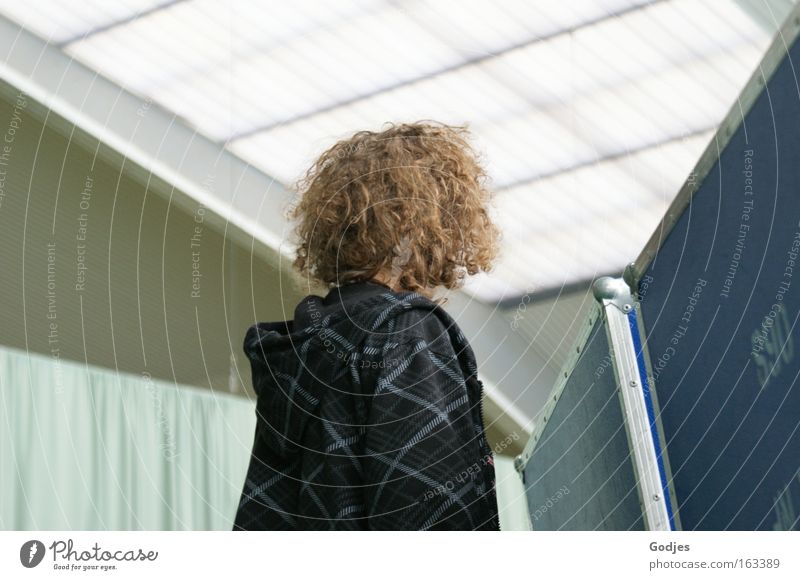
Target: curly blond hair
408,203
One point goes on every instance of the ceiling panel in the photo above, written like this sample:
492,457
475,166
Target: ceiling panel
58,21
588,114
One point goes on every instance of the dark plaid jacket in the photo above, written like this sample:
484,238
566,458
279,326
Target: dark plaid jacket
368,417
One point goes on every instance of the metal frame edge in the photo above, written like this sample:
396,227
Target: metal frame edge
648,369
619,309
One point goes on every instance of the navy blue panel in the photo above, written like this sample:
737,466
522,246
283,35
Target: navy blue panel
580,475
720,305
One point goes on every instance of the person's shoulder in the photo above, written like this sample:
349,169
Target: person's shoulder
411,318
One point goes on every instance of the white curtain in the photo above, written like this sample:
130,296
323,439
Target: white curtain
84,448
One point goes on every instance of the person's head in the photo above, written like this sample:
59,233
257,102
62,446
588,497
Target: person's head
406,206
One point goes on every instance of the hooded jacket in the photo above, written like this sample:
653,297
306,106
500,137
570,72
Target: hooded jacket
369,417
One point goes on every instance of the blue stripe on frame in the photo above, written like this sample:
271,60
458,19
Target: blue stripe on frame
637,344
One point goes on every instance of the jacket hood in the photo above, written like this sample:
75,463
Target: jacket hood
295,361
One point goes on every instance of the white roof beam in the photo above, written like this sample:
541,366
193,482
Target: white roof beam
154,143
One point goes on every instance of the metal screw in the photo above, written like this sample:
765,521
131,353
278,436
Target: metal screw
656,497
634,383
626,307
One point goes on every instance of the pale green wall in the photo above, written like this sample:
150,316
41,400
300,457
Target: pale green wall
135,311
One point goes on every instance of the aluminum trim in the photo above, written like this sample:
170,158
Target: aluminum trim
649,476
648,370
651,409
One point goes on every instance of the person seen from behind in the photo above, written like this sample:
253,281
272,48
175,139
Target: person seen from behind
369,413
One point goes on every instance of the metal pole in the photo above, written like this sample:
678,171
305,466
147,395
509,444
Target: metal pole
627,355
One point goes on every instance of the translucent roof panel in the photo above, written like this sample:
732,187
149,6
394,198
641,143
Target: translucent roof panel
589,221
60,22
589,114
